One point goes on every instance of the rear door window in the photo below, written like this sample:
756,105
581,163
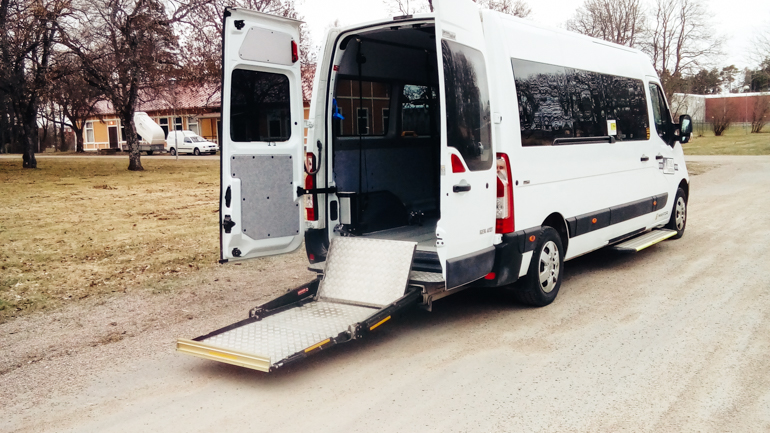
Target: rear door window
260,108
467,104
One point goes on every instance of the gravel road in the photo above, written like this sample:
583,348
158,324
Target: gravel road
673,339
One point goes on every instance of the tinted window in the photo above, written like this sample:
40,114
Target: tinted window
557,104
660,114
260,108
364,99
416,108
467,104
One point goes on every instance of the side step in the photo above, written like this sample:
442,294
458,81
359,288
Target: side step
646,240
365,282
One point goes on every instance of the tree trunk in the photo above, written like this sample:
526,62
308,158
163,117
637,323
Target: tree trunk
78,138
30,131
134,161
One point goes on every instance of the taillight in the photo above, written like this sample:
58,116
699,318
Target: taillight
310,204
294,52
457,165
504,222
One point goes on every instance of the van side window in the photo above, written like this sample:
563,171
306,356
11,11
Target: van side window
467,104
660,113
416,110
557,104
375,96
258,98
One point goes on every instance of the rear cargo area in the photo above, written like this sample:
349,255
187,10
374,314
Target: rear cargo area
386,139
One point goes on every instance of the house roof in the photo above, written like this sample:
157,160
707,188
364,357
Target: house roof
193,96
181,97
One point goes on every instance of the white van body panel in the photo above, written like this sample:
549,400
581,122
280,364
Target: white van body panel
558,185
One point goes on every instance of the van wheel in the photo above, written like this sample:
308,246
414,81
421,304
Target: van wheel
678,219
172,152
196,152
541,284
149,153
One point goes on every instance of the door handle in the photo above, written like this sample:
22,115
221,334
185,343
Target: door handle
461,188
658,156
645,158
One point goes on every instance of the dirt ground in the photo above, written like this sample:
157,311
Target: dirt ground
673,339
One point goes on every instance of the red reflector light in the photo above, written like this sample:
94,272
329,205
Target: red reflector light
294,52
310,256
504,218
457,165
490,276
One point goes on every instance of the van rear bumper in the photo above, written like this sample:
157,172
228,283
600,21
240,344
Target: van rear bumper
508,256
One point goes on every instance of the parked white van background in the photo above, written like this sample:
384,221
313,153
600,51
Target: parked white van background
189,142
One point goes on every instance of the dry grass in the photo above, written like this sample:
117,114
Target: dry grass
735,141
78,227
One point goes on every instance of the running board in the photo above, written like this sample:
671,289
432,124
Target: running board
364,284
646,240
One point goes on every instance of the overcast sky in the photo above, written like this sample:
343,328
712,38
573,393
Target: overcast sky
738,20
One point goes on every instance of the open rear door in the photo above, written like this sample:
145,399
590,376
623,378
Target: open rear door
262,139
465,233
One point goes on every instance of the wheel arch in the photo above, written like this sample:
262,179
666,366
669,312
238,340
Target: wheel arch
558,223
686,187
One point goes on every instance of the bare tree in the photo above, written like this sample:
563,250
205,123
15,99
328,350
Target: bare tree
125,47
75,98
680,40
759,113
517,8
26,44
201,38
621,21
722,116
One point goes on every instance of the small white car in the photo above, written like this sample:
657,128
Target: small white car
189,142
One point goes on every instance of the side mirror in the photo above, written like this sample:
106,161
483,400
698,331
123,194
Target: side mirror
685,128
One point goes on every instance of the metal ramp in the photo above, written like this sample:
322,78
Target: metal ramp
364,283
643,241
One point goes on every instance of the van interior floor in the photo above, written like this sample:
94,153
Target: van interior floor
424,235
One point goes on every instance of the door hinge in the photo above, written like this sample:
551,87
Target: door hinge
302,191
228,224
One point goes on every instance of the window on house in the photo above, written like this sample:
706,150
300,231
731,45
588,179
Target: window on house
163,122
192,125
363,98
90,132
363,121
385,119
178,124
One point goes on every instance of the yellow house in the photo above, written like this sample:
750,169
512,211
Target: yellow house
192,108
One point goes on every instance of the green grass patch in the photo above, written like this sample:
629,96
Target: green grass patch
77,227
735,141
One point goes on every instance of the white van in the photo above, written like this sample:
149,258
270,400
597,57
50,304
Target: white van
493,147
189,142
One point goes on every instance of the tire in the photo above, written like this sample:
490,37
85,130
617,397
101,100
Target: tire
678,219
172,152
149,153
196,152
543,280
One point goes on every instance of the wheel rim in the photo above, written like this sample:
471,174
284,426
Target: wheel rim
549,266
681,213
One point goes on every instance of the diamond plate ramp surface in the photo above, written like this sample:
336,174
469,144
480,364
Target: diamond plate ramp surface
284,334
370,272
